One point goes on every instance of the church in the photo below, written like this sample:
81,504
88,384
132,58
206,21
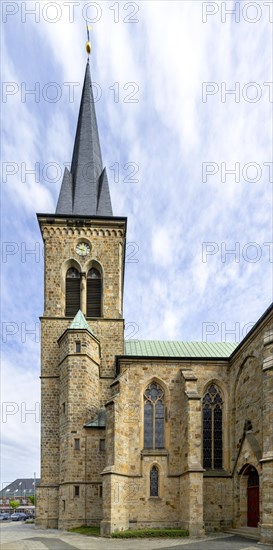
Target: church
140,433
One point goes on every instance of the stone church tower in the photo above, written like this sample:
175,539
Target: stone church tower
84,269
140,433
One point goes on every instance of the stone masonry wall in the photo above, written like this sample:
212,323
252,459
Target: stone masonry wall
104,239
76,381
127,458
218,503
246,391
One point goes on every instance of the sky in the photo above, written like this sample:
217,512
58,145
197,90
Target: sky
184,98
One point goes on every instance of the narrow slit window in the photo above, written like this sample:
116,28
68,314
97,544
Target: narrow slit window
154,482
76,490
77,445
78,347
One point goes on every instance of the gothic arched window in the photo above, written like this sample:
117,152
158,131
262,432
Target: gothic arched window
72,292
212,428
153,417
154,482
94,291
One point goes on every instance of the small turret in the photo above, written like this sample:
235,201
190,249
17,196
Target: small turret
79,401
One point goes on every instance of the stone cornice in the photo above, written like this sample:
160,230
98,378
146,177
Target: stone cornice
267,459
56,224
79,355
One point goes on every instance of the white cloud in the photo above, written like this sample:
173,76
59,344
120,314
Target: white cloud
169,133
163,247
20,421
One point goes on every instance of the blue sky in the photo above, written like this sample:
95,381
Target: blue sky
180,282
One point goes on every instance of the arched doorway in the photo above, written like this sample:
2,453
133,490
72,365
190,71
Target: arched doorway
253,509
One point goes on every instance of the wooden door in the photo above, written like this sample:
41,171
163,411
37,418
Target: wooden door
252,506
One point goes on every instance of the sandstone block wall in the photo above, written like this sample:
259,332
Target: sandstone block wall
180,500
83,483
106,240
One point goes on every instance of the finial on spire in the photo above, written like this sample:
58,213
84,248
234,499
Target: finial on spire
88,43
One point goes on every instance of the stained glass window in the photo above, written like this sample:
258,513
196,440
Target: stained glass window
154,482
212,429
154,417
148,425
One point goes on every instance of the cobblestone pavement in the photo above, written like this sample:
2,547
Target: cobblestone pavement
20,536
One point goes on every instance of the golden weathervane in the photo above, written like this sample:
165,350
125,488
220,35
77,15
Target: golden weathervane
88,43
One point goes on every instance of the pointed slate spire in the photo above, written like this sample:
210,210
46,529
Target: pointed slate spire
104,199
64,204
85,190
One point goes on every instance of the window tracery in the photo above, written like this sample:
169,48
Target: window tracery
154,417
212,428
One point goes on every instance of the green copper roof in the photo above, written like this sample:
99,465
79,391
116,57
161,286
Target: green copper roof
157,348
99,421
79,323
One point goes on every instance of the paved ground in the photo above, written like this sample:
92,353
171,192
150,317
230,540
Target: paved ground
19,536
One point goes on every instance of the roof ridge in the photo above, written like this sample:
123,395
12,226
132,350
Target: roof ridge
179,341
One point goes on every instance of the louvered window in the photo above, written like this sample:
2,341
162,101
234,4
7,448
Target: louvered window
212,429
94,291
154,417
72,292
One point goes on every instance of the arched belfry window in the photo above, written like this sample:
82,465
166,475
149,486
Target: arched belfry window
212,428
154,482
94,292
154,417
72,292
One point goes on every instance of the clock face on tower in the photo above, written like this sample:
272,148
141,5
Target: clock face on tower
83,249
